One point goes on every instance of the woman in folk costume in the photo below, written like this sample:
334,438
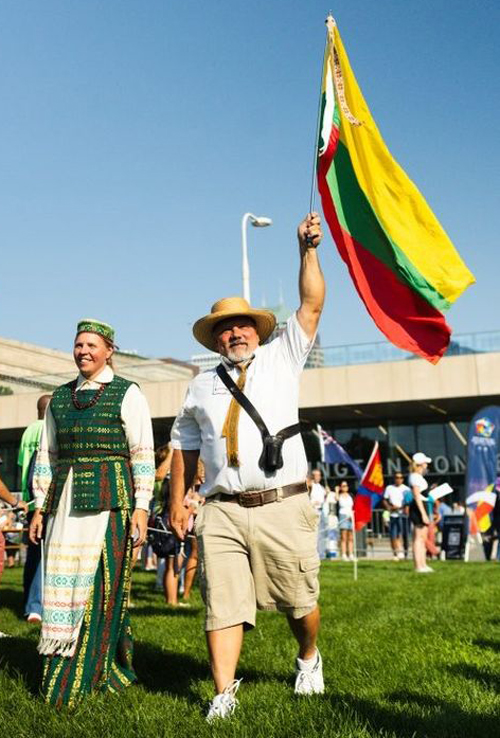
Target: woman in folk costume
93,480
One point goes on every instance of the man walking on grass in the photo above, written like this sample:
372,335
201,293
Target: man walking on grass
257,531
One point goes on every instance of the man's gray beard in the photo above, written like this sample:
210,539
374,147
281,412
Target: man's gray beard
238,358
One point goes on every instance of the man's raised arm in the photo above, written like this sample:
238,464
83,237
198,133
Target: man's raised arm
311,280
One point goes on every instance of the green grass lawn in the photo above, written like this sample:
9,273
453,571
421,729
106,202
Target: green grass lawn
404,655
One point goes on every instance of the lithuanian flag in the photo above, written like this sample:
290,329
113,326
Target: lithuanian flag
404,266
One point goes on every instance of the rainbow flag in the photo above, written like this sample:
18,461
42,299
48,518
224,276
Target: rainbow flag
404,266
482,504
370,490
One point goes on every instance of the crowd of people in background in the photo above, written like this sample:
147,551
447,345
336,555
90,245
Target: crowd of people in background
406,512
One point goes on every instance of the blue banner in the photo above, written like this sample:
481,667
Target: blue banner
482,449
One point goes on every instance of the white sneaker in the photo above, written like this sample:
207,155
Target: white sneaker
224,704
344,557
310,681
34,617
351,557
401,556
424,570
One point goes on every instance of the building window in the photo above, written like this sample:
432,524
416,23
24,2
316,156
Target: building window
402,440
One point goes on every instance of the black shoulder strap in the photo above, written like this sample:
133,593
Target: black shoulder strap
245,403
243,400
289,431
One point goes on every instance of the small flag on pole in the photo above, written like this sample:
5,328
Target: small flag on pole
482,504
370,490
333,453
402,263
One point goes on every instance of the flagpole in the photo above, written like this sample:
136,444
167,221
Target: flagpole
315,148
326,532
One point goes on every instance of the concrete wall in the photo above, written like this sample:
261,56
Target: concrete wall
402,381
18,359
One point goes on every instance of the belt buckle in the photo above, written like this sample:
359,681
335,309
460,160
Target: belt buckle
246,500
256,499
279,494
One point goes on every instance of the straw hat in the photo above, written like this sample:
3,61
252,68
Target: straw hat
232,307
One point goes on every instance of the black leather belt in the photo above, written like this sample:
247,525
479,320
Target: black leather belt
263,497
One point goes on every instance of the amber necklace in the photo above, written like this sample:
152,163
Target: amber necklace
84,405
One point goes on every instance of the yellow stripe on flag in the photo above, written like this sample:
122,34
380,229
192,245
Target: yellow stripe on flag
398,204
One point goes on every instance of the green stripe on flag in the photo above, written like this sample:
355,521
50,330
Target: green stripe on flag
357,216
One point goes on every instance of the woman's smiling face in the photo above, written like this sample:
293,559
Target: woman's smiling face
91,354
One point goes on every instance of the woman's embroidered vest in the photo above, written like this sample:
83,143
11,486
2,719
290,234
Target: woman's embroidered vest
92,442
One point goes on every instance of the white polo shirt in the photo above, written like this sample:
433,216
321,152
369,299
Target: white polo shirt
395,495
272,385
317,495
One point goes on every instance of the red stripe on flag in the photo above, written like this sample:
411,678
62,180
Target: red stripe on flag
362,510
404,317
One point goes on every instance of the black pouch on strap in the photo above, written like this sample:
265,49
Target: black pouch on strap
271,458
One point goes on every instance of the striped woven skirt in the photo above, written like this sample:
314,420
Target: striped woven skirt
102,661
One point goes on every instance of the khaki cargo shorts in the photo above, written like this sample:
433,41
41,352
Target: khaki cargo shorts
259,557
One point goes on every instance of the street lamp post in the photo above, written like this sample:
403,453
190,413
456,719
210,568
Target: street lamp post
257,222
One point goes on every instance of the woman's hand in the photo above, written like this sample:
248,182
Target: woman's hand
139,527
425,519
36,527
21,505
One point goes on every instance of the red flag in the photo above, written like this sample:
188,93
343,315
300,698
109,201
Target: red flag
370,490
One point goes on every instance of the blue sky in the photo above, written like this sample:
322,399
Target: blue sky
134,135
